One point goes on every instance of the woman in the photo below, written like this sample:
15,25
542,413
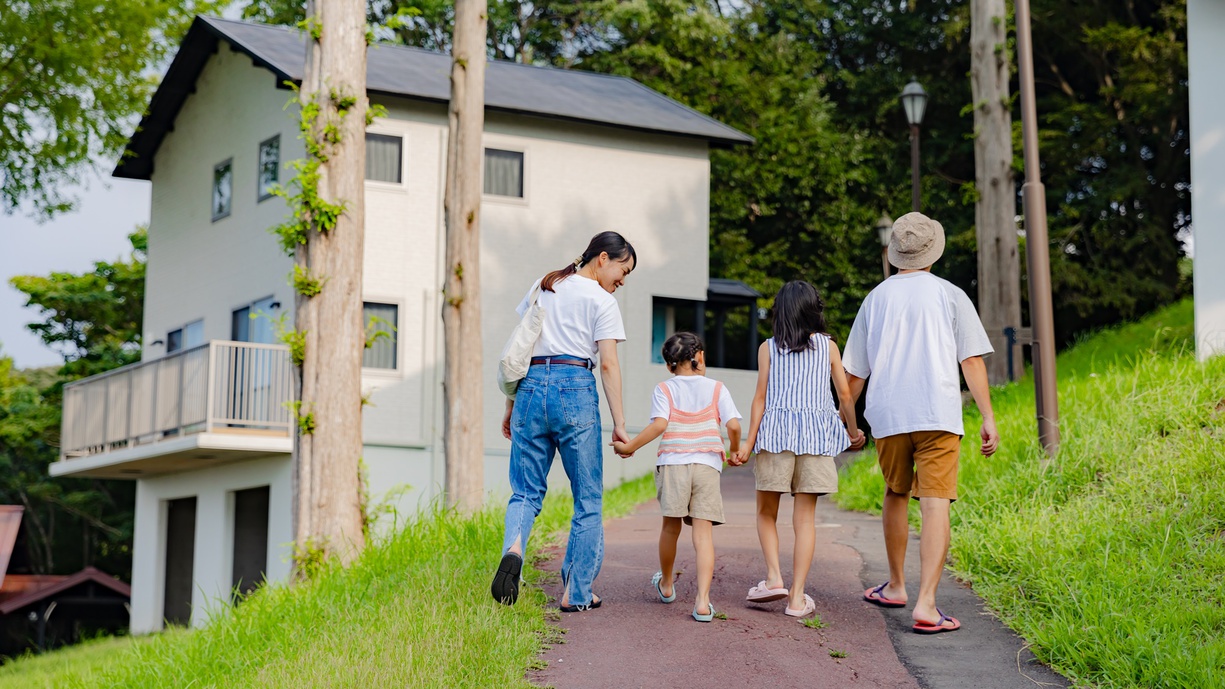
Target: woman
556,410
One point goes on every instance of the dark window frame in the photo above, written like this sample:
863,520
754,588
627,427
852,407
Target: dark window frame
399,139
227,163
260,194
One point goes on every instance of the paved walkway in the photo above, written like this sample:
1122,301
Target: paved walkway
633,640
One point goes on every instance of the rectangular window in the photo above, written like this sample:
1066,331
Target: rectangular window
383,155
254,323
269,166
504,173
174,341
193,334
223,189
380,318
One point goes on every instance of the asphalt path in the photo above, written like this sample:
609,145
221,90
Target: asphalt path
634,640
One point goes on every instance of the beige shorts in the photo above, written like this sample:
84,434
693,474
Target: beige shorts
689,491
784,472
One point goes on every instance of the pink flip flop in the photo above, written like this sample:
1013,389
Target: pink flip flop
761,594
944,624
810,606
875,595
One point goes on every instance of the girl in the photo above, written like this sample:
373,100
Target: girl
687,410
556,411
795,433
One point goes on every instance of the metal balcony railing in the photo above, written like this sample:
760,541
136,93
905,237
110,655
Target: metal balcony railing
238,387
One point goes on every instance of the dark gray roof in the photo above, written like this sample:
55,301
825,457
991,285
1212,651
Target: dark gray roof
572,95
722,289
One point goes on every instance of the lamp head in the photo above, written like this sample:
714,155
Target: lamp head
884,229
914,102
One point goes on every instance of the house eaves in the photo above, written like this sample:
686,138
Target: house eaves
572,95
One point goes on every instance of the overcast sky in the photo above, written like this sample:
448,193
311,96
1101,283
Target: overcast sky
97,231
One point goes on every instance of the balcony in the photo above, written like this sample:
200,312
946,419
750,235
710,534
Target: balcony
216,403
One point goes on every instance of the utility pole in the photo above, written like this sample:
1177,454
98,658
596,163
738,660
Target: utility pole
461,311
1041,312
999,265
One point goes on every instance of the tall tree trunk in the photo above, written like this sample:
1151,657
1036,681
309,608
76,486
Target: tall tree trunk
328,519
461,311
999,271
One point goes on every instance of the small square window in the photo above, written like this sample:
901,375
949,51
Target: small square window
269,166
223,189
174,341
380,319
504,173
383,155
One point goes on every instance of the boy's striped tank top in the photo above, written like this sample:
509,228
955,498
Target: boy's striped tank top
696,431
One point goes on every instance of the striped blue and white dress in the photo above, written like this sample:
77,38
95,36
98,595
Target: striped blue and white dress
800,415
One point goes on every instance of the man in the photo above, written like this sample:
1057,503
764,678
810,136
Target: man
911,334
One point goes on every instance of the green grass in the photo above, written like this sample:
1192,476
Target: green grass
1111,561
815,622
414,610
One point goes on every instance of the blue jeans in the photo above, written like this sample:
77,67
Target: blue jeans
557,411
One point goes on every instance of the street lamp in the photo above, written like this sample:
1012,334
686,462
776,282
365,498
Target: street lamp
914,102
884,230
1041,312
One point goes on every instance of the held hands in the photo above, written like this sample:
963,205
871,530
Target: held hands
739,457
990,436
858,440
621,442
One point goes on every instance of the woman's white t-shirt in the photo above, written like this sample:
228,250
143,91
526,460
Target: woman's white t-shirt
578,314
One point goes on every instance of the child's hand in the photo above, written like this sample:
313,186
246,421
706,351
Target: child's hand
622,449
858,440
739,457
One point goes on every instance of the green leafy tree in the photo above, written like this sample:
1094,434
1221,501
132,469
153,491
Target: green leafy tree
93,319
73,76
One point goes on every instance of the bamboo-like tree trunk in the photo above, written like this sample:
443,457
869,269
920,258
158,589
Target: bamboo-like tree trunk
327,513
999,277
461,311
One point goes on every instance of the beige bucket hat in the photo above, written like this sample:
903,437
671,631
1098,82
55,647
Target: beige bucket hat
916,243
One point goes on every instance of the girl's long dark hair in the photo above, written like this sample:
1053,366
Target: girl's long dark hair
798,313
618,250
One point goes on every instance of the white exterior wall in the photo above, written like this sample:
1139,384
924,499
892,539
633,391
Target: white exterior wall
579,180
214,547
204,269
1205,55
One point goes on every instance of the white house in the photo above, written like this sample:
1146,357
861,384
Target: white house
1205,55
201,424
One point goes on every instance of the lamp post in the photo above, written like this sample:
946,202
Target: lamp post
884,230
1037,246
914,102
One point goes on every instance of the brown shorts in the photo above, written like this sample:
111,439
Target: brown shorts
922,463
689,491
785,472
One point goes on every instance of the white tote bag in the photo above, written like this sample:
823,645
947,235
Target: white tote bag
517,355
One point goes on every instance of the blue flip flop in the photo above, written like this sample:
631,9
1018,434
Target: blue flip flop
656,579
707,617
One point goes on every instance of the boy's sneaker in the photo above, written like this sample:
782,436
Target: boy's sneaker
505,588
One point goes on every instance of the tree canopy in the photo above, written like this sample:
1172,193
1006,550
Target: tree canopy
74,74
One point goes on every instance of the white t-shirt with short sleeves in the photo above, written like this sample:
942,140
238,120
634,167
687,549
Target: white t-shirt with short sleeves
578,314
692,394
911,334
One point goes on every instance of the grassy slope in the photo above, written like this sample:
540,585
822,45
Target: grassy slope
413,611
1112,561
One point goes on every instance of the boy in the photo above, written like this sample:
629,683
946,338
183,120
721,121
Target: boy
910,334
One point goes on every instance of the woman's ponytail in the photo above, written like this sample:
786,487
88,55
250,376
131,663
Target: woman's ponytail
606,242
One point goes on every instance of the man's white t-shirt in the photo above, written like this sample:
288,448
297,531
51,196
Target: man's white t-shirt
578,314
692,394
911,334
